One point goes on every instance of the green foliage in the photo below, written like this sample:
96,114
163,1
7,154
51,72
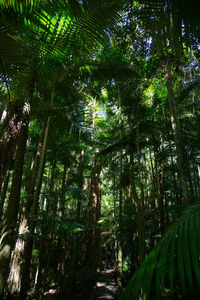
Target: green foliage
76,194
171,24
129,133
69,225
56,225
173,265
42,34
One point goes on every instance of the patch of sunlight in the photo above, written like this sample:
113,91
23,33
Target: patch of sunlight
104,93
5,252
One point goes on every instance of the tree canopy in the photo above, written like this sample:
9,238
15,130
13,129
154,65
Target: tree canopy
99,149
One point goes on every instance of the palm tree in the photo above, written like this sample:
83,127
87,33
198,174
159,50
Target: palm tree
171,23
59,32
172,267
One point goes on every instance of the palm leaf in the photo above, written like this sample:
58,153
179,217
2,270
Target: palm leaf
173,21
62,23
21,6
42,35
54,30
69,225
173,264
77,194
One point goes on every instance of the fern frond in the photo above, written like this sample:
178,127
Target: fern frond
173,264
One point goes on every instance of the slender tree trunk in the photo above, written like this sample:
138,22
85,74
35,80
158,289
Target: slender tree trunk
3,194
91,220
60,245
158,185
198,180
182,158
174,177
14,280
153,204
115,213
80,183
41,283
46,244
91,252
95,198
43,266
31,180
29,243
141,233
76,252
160,198
62,202
120,241
195,172
138,206
10,220
9,132
97,237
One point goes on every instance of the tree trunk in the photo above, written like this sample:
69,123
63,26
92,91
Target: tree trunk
141,232
120,250
3,194
14,280
29,244
62,199
80,183
176,195
182,158
9,133
92,252
77,237
46,243
97,236
153,204
158,183
195,172
10,220
61,213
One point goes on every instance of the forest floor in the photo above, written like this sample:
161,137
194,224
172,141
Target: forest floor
106,286
106,289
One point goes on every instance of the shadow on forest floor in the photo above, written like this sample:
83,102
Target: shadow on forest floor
106,289
106,286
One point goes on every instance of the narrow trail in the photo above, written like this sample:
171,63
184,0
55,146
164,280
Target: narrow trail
106,286
106,289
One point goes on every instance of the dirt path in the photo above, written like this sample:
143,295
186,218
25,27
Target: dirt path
106,287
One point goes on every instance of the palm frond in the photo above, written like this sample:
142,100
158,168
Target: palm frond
76,194
54,30
195,84
108,70
173,265
172,22
21,6
69,225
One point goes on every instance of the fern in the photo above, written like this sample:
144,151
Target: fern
173,264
